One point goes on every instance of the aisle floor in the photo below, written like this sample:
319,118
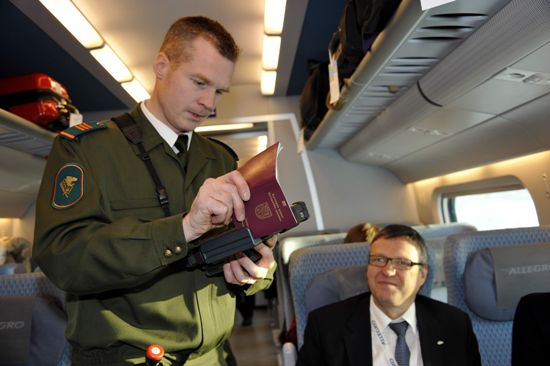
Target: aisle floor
255,345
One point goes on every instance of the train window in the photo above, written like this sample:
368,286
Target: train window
492,210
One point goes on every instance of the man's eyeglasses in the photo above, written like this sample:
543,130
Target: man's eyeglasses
398,263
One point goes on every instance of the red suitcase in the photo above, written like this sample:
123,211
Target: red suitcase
37,98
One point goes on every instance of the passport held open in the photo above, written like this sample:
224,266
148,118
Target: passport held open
267,211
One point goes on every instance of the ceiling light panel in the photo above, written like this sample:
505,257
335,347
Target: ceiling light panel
112,63
274,16
225,127
270,53
72,19
136,90
268,82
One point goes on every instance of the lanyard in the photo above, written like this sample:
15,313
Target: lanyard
383,343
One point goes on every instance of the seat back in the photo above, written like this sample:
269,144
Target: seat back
306,263
15,288
435,236
12,268
494,337
285,247
442,230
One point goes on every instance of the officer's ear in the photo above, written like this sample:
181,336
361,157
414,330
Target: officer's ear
161,65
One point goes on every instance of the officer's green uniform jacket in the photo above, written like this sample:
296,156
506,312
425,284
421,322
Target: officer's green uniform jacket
102,237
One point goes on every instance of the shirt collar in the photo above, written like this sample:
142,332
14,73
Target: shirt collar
163,130
377,314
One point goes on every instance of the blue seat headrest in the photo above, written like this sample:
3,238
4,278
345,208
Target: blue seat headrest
496,278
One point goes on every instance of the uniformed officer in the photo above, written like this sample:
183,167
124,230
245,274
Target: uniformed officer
103,237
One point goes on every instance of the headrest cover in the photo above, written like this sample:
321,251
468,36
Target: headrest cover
341,283
496,278
335,285
15,329
31,331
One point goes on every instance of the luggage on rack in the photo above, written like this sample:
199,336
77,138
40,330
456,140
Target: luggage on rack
359,25
38,98
313,100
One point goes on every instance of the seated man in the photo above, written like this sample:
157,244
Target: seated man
531,332
403,328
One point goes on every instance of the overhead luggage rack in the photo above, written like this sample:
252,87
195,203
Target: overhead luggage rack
24,147
411,45
22,135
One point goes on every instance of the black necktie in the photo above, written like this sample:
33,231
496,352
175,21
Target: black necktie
181,144
402,353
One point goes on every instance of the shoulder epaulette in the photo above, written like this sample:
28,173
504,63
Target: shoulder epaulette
80,129
226,147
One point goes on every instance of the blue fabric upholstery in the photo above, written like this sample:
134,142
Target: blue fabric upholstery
336,285
283,250
439,230
288,245
494,337
34,284
306,263
12,268
480,288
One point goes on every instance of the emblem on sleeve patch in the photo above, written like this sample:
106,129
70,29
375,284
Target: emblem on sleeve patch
69,186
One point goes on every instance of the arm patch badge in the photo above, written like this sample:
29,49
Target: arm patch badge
69,186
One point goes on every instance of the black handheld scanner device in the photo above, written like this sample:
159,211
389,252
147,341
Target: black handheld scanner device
212,253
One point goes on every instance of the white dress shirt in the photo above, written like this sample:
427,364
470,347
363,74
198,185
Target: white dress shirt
381,352
164,131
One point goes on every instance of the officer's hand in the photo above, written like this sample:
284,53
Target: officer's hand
215,203
272,241
243,271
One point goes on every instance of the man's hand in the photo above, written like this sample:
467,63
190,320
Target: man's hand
243,271
215,203
272,241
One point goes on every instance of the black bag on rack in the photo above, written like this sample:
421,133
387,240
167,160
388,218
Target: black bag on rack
313,100
359,26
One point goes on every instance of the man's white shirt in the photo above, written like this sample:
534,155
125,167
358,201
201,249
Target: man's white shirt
164,131
381,352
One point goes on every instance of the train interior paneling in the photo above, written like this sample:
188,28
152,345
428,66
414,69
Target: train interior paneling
448,101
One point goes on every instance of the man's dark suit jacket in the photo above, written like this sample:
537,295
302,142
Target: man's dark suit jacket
531,332
340,334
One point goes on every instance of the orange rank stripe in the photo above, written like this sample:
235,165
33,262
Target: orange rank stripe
67,134
83,126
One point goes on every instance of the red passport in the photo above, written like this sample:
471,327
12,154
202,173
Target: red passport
267,211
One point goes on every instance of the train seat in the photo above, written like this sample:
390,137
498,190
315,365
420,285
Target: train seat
285,247
32,298
434,234
12,268
307,263
344,282
430,231
486,274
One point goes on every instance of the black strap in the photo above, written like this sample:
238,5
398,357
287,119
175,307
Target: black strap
131,130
